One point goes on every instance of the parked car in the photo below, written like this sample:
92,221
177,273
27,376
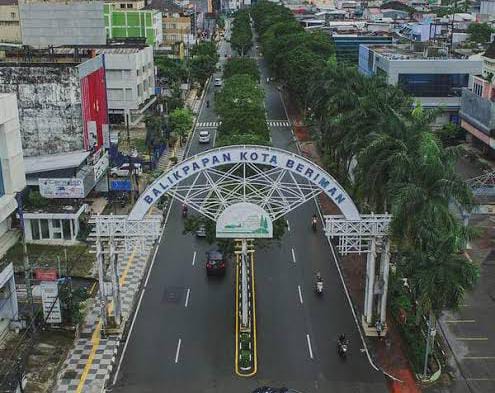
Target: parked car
217,82
215,263
204,136
123,170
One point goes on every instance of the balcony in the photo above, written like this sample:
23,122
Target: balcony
479,112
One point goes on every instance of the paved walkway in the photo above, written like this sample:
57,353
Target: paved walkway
90,362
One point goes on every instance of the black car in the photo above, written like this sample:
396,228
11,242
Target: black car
268,389
215,263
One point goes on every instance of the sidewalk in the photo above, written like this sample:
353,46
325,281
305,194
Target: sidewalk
392,358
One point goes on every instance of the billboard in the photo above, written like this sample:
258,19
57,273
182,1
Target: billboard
244,220
93,101
51,304
61,188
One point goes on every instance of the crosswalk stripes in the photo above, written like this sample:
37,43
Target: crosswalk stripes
278,123
271,123
208,124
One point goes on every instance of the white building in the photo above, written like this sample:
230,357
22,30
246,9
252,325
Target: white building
51,24
430,76
130,77
12,178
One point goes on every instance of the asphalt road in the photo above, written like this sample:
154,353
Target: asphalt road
183,337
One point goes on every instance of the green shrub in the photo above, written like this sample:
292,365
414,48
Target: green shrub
245,358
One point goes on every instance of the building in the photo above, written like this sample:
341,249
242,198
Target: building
63,117
177,23
478,106
130,79
133,23
12,179
487,9
47,24
10,27
428,74
347,45
9,311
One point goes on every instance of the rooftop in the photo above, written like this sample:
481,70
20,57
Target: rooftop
8,2
406,51
53,162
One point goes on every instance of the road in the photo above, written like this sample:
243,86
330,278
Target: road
183,336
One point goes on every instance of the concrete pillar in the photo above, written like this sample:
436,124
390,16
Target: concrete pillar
13,300
385,270
101,281
370,282
115,283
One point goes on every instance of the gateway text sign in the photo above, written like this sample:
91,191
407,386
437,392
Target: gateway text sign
252,154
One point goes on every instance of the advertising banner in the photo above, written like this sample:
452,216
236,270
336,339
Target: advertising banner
45,274
244,221
61,188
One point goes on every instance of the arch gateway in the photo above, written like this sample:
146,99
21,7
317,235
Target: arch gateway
276,181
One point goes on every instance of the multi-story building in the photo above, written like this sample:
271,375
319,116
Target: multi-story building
347,45
129,23
429,75
63,119
177,23
478,106
12,179
45,24
10,27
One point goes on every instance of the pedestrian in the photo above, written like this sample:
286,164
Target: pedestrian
379,328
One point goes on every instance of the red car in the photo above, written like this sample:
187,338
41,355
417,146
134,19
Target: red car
215,263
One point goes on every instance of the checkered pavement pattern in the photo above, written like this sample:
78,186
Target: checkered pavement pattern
106,351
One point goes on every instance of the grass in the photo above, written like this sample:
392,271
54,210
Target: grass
79,261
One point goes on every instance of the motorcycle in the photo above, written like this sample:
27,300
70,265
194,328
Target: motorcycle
184,211
314,221
319,284
342,348
207,104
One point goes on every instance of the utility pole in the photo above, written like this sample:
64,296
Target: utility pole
25,257
129,154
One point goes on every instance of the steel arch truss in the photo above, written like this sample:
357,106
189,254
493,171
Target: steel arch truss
483,185
355,236
276,190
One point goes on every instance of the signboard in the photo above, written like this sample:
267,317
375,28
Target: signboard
305,169
101,166
61,188
120,185
244,221
51,304
45,274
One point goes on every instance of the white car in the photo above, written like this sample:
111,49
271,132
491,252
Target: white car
204,136
123,170
217,82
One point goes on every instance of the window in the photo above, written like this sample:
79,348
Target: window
129,5
115,94
122,6
35,229
45,231
56,229
67,230
12,14
478,89
433,85
128,95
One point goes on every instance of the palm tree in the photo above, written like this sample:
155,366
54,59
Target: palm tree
438,277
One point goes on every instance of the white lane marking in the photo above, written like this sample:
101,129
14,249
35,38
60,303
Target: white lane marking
214,137
478,358
461,321
293,256
187,297
472,338
300,294
309,346
142,294
288,226
178,350
194,258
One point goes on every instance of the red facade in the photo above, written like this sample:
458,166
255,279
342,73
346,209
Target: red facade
94,102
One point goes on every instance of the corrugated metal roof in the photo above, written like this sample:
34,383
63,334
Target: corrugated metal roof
53,162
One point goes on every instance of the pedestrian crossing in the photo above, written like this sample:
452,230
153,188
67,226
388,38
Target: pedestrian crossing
278,123
271,123
208,124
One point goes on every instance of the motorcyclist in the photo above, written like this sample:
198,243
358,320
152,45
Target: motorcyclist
184,210
207,103
318,277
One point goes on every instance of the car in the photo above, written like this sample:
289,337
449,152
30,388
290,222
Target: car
204,136
215,263
218,81
269,389
123,170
